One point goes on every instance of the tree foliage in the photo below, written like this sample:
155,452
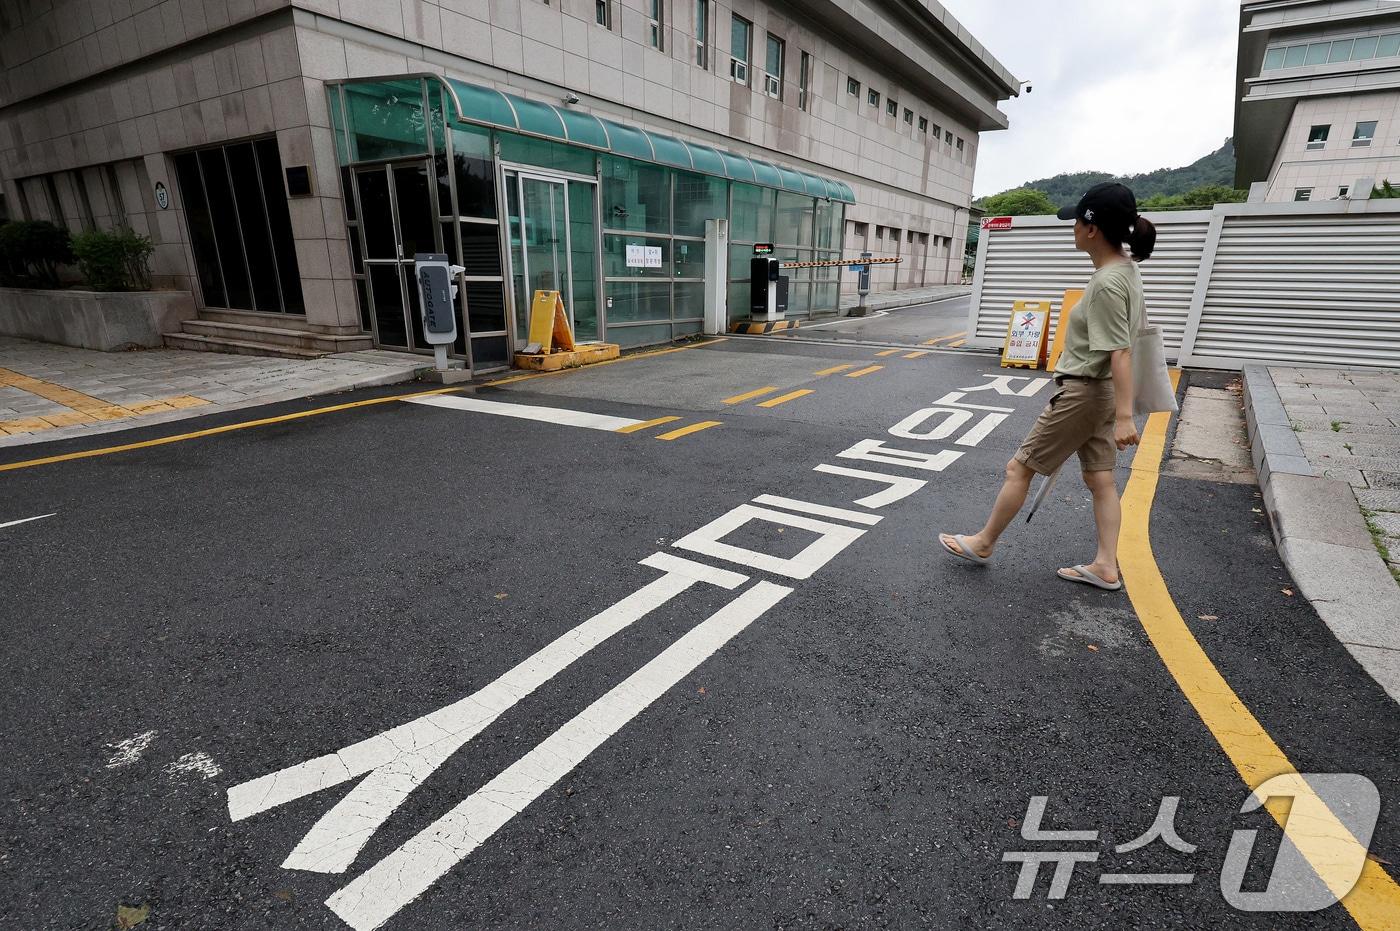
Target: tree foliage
31,252
1385,191
1023,202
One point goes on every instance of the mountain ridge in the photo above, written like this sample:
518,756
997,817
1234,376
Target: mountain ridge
1218,167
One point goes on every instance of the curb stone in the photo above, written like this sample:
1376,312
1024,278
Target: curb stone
1322,538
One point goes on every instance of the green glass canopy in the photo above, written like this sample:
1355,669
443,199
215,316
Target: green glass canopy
489,107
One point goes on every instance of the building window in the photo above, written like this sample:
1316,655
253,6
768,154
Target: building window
960,146
84,201
1344,190
1363,135
773,67
947,137
937,133
114,194
853,87
923,124
909,116
656,25
1302,193
602,13
702,33
740,37
873,98
236,208
891,107
804,78
1362,48
1317,136
859,230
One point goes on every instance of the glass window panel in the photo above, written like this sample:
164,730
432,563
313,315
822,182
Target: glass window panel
388,305
686,327
1317,53
583,259
636,196
483,105
252,218
739,258
828,225
699,198
449,243
584,128
442,184
347,193
792,180
633,336
615,257
628,140
738,300
536,117
1341,50
689,301
486,307
363,299
279,218
436,118
670,151
206,253
237,287
690,258
1364,48
481,248
738,167
545,154
357,261
794,224
1273,58
413,199
751,216
378,214
1365,130
342,147
489,350
739,38
386,119
634,301
774,59
1319,133
1388,46
825,297
476,184
1294,56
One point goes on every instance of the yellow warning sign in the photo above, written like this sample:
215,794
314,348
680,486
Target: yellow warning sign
1072,297
1025,335
549,324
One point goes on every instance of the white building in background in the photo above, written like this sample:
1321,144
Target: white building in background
1318,98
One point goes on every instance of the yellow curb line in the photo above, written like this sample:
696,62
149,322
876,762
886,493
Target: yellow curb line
887,352
1374,901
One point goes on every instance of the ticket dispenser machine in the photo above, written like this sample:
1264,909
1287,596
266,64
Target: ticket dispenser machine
768,289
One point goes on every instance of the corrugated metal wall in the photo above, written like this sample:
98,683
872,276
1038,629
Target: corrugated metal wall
1307,289
1306,283
1036,260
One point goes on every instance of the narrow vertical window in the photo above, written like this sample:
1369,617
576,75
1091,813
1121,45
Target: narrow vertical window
702,33
602,13
804,79
740,37
656,24
773,67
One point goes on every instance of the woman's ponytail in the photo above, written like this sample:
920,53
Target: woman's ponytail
1142,239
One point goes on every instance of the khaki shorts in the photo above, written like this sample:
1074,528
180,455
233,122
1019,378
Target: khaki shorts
1079,419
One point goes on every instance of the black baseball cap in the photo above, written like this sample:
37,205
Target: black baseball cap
1109,205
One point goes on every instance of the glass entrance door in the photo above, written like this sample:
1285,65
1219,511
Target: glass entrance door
554,247
396,209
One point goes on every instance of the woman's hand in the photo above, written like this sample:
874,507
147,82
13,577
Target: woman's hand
1125,432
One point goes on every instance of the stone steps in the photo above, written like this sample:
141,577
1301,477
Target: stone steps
239,347
249,338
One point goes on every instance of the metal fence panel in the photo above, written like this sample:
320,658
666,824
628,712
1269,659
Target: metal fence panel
1036,260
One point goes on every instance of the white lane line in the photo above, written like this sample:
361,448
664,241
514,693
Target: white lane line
25,520
557,415
821,510
398,760
402,876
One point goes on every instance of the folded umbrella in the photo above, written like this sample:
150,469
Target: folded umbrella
1046,484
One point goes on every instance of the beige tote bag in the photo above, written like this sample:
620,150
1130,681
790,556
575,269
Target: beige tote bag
1152,386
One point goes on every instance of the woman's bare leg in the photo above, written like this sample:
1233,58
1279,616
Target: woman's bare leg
1009,500
1108,518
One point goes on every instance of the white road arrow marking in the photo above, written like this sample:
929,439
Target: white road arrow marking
26,520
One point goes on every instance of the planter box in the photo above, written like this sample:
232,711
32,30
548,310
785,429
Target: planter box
108,321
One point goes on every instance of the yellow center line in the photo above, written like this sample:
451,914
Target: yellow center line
887,352
864,371
1323,840
688,430
750,395
790,396
835,368
918,354
215,431
956,343
637,427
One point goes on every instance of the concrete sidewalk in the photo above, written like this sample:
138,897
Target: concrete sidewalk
50,392
908,297
1326,443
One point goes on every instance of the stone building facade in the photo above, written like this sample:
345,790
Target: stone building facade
205,123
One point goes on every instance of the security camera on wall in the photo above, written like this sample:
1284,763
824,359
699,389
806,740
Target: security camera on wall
1029,88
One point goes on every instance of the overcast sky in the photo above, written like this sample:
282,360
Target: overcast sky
1123,87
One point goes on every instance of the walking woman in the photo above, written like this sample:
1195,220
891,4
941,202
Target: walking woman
1091,412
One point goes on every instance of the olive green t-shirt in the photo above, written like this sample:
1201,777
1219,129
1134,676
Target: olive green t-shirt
1105,320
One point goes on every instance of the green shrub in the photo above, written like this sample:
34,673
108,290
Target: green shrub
31,252
114,260
1385,191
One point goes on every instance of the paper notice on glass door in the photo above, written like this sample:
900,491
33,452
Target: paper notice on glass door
643,256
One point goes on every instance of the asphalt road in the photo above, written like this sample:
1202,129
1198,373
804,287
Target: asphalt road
941,323
811,718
